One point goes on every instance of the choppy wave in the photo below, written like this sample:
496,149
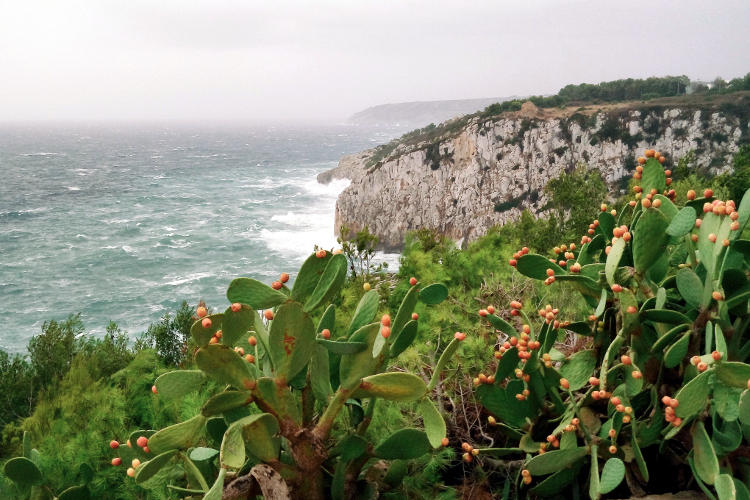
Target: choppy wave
41,153
135,223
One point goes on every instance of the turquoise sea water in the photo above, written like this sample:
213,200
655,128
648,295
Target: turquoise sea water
122,223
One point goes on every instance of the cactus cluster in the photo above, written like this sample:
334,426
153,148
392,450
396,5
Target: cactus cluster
285,381
26,472
659,380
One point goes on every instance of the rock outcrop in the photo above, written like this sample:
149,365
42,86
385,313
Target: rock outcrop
469,175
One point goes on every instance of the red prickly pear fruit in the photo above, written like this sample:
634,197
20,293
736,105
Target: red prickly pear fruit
214,340
206,323
114,444
483,312
321,254
153,389
716,355
128,443
116,461
284,277
412,281
201,311
564,383
708,193
249,358
717,296
617,288
236,307
131,472
385,320
326,334
146,450
252,340
459,336
268,314
513,262
385,332
491,309
445,441
142,441
414,316
625,360
135,463
276,285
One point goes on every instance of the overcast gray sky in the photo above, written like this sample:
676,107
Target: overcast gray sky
324,60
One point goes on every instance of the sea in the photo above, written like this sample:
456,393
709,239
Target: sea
123,222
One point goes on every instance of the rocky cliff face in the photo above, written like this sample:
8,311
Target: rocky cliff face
480,172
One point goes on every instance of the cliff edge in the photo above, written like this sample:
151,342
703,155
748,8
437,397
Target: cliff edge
469,174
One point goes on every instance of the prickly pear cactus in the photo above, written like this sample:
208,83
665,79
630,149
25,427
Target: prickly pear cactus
659,370
288,373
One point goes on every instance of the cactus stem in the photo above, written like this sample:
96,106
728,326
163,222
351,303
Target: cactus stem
367,418
329,416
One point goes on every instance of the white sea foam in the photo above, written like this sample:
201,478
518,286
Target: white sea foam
297,243
174,244
310,220
331,190
314,227
181,280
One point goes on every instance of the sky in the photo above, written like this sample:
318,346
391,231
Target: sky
283,60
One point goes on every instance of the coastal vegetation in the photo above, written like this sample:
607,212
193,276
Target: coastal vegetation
597,350
580,102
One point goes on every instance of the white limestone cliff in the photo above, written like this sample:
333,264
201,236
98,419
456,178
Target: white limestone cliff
490,169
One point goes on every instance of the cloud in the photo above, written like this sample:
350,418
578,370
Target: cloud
295,60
